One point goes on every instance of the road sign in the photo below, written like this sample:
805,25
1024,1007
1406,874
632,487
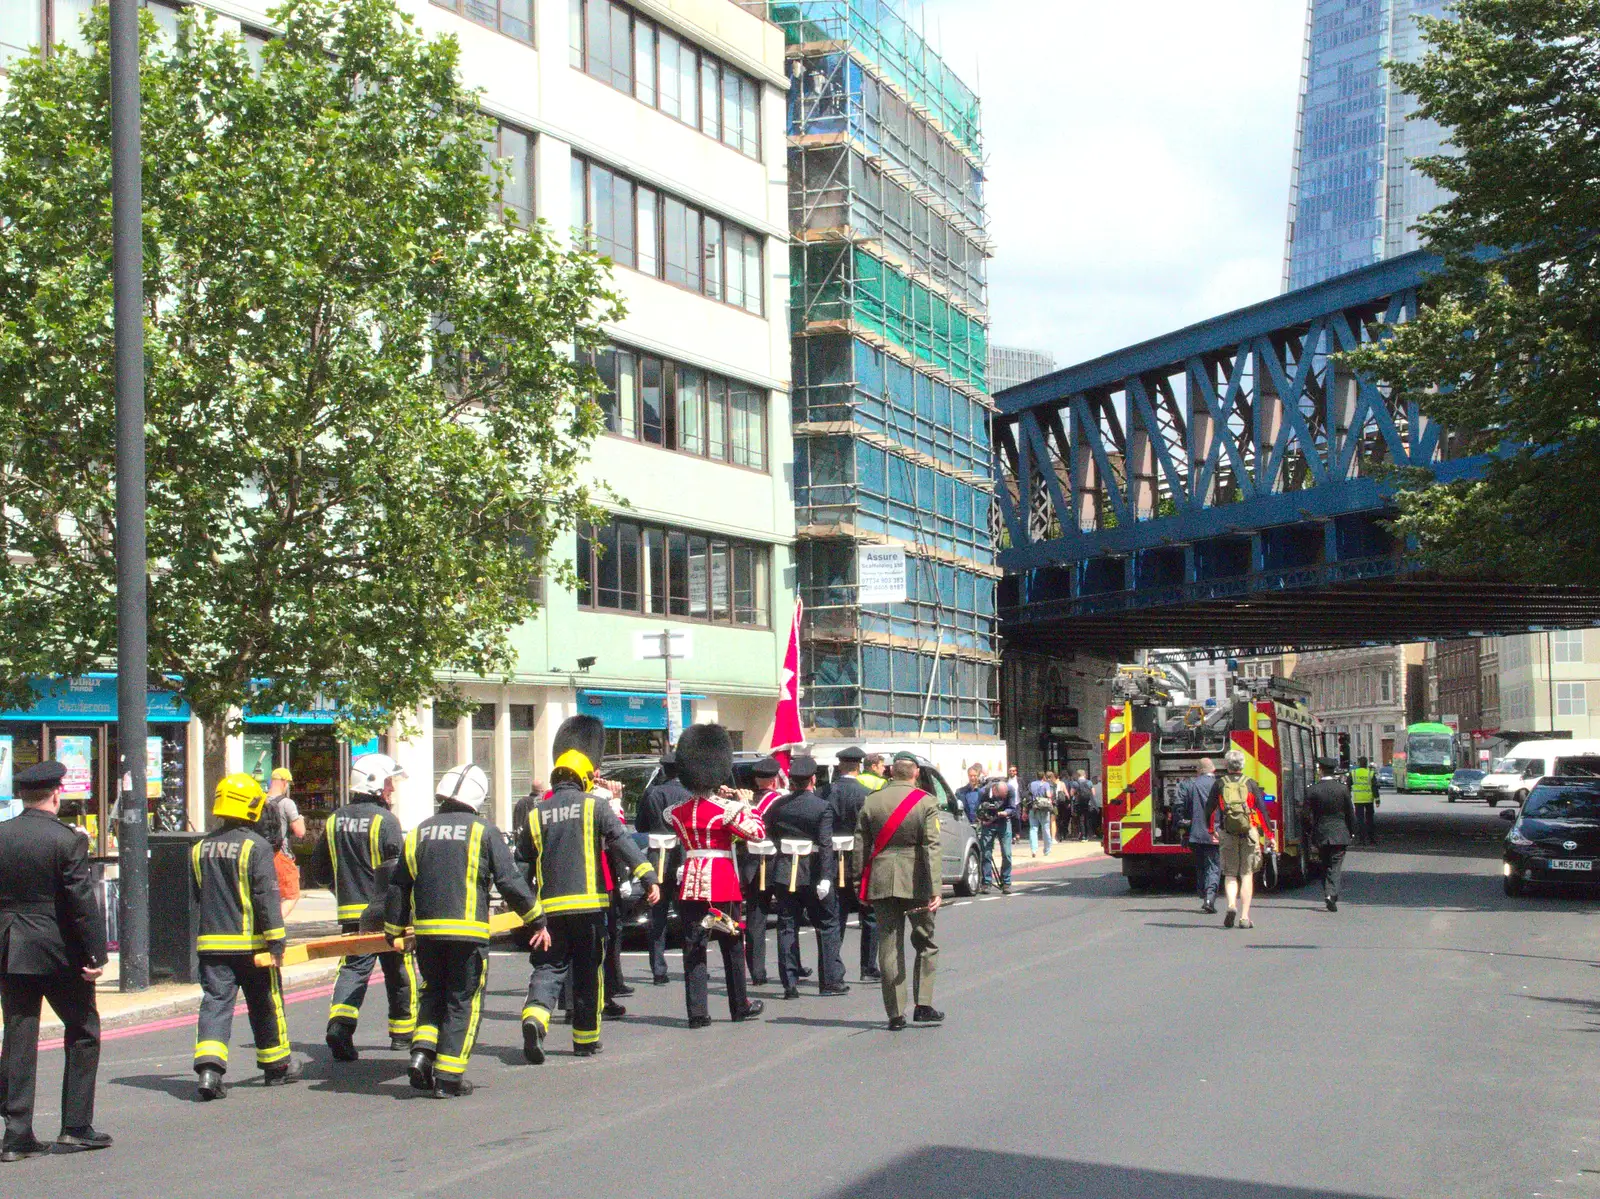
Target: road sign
881,574
674,711
647,646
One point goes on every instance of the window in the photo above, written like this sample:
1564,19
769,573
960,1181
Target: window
661,235
1566,645
523,718
655,400
21,29
512,147
633,54
514,18
1571,699
628,567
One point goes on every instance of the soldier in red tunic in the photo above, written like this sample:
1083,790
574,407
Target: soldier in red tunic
710,900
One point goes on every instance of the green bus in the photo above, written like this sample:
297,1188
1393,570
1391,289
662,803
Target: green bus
1429,759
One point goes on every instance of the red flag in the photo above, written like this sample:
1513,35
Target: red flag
786,726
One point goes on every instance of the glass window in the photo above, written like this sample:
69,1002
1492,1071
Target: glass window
580,194
668,48
514,18
574,33
655,576
627,394
597,38
1571,699
675,217
688,85
627,566
585,556
717,411
678,573
21,28
691,411
607,590
744,594
713,256
650,400
752,273
720,609
699,577
749,117
514,148
733,270
1566,645
621,50
644,61
708,96
66,25
645,206
731,112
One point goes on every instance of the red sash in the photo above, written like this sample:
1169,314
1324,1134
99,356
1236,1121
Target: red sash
886,834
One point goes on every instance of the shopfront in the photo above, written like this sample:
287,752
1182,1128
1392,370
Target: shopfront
636,721
75,722
305,744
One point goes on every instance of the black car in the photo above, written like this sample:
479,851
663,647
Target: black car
1464,785
1555,838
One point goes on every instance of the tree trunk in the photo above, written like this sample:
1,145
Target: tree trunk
216,758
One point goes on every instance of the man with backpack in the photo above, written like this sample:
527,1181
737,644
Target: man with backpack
1234,814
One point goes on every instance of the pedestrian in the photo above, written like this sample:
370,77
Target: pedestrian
1097,804
1063,795
898,858
1235,806
972,794
358,841
621,889
52,947
1193,794
281,823
1331,816
995,814
756,875
845,796
236,889
800,824
659,798
441,889
1041,812
710,901
570,835
873,772
1364,794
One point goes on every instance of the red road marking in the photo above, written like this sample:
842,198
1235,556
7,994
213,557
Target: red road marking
1030,868
137,1030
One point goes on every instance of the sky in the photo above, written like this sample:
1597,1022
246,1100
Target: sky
1138,159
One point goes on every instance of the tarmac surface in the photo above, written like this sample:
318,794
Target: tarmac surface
1432,1038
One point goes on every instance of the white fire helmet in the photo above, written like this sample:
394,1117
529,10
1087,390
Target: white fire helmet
370,772
466,784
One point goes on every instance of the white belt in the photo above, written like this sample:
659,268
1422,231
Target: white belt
663,841
762,849
695,854
840,844
796,847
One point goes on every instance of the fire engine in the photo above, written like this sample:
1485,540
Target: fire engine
1153,743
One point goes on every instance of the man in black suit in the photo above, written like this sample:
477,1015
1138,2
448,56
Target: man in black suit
651,820
52,946
1332,824
845,797
801,826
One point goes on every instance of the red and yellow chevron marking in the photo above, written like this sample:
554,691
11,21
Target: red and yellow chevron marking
1127,782
1262,760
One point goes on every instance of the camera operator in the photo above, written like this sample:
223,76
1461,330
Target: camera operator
996,810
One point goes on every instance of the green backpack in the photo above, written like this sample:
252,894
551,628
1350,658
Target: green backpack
1236,806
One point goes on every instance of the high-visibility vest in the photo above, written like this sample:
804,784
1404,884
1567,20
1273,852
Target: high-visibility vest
1361,779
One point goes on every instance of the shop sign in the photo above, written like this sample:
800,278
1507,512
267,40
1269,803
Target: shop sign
93,699
632,709
152,767
75,751
881,574
323,711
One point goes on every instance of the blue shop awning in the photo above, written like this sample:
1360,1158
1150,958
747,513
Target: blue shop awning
631,709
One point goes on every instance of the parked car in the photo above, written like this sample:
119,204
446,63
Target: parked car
1464,785
1555,838
1384,779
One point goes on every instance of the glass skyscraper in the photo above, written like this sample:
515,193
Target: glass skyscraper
1354,194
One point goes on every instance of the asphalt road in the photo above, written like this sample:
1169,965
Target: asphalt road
1433,1038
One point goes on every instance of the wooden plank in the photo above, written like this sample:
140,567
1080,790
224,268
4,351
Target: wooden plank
358,943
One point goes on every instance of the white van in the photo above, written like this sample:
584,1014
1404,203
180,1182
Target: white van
1513,776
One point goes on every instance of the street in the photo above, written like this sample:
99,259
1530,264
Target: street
1099,1043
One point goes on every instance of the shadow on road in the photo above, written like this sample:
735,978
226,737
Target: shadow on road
177,1086
944,1172
1588,1007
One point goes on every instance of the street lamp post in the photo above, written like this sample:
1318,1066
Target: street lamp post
127,272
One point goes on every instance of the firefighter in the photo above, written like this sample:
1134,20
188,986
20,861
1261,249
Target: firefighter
236,888
441,888
801,825
710,901
1364,793
755,873
359,841
569,836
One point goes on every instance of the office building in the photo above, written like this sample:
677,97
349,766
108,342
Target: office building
1010,365
1353,193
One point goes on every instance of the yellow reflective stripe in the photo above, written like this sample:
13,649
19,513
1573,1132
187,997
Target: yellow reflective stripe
577,903
426,1034
265,1057
343,1011
274,934
210,1049
579,1037
411,854
333,852
194,857
588,844
393,930
351,911
228,943
477,929
642,869
474,851
247,910
411,980
533,913
539,1015
372,840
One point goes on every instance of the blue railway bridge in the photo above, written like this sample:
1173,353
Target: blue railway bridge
1230,484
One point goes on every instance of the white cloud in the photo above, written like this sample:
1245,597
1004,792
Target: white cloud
1138,159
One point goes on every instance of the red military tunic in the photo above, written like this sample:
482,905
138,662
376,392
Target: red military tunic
706,829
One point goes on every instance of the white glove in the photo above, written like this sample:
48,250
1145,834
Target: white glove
824,887
625,888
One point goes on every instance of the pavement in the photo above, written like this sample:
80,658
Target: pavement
1432,1038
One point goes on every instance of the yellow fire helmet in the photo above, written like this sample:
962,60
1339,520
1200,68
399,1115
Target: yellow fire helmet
579,764
239,797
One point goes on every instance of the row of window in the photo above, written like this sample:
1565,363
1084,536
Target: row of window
636,225
895,690
26,25
683,408
514,18
625,566
633,54
960,603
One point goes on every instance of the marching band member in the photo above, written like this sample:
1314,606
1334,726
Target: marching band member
710,900
801,825
755,873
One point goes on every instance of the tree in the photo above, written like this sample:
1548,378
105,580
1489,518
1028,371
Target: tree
1508,353
365,422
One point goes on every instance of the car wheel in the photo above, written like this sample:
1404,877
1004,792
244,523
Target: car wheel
967,884
1522,798
1492,802
1513,886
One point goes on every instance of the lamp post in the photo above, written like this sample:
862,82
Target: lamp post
127,272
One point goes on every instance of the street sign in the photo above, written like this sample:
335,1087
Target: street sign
674,711
881,574
647,646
